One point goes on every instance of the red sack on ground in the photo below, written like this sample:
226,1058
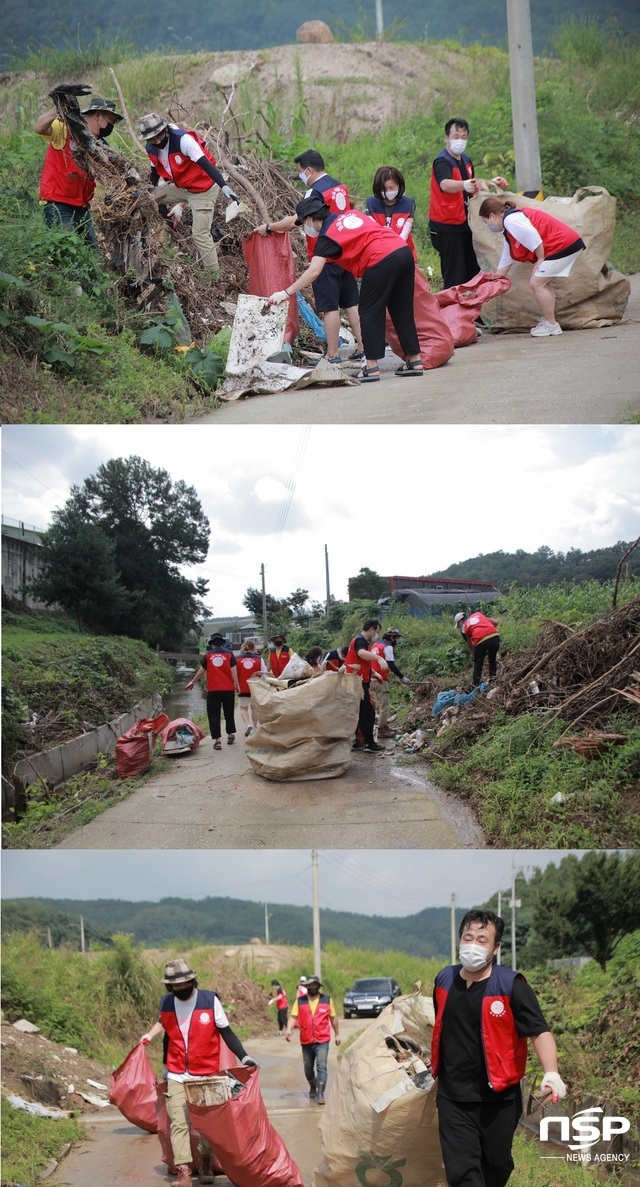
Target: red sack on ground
132,1089
460,305
153,725
251,1152
172,728
133,752
272,268
436,340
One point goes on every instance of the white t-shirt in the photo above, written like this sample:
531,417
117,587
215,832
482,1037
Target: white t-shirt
184,1011
524,231
189,147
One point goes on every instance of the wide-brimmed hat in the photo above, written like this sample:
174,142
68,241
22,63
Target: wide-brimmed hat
393,630
314,980
178,972
152,125
313,205
99,104
458,619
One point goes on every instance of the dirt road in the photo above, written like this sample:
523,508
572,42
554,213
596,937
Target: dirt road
212,800
583,377
116,1152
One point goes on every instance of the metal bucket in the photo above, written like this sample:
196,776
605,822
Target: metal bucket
214,1090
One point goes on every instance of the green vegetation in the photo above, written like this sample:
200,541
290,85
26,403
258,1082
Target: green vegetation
545,567
30,1142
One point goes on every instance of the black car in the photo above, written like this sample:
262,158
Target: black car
370,996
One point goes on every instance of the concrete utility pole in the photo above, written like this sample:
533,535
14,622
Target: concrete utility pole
266,923
317,960
453,929
326,570
513,903
379,19
81,934
264,606
523,99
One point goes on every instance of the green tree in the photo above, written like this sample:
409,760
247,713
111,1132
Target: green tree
113,555
368,584
253,602
594,907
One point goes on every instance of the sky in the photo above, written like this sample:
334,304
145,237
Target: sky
368,882
398,500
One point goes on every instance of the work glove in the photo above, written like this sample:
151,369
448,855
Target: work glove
249,1062
406,680
176,213
230,194
145,1039
501,182
277,298
553,1082
470,185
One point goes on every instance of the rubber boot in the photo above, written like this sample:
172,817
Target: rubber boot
206,1170
312,1089
184,1178
320,1092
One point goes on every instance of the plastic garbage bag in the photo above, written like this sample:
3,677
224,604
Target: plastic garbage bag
181,736
272,268
434,335
132,1089
461,304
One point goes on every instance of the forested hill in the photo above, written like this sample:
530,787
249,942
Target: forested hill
212,25
545,567
228,921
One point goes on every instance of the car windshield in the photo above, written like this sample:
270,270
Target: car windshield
373,985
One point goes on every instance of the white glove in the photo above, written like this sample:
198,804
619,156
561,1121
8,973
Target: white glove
552,1081
337,1040
249,1062
277,298
229,193
406,229
176,212
470,185
501,182
406,680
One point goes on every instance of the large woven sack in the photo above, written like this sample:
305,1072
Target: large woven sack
304,732
434,336
594,295
377,1126
133,1089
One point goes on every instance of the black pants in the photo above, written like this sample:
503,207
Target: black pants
282,1018
366,716
388,285
476,1140
71,218
490,647
458,261
215,702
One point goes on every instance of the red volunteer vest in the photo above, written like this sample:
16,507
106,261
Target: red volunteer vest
281,1000
352,659
450,208
363,242
379,649
63,180
505,1051
278,663
247,666
203,1056
336,196
219,677
314,1028
184,172
478,626
556,236
334,663
375,209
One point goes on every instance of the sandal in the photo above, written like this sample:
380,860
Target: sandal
356,357
368,375
410,367
231,739
217,745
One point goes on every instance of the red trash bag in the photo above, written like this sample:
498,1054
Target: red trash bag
460,305
272,268
250,1151
434,335
133,752
153,725
188,727
132,1089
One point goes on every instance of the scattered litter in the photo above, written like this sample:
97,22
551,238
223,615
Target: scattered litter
96,1084
34,1106
27,1028
91,1099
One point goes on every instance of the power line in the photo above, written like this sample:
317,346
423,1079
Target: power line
35,479
291,484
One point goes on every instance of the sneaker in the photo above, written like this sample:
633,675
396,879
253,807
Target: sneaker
545,329
358,746
184,1177
248,731
373,748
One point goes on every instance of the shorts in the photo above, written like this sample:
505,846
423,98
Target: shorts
335,288
560,266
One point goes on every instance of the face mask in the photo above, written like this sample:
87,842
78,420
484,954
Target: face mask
391,195
303,177
104,132
183,994
474,958
458,146
310,232
312,991
496,230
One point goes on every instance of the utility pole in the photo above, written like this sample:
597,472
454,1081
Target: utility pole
266,923
82,934
453,929
513,903
500,917
379,20
264,606
317,960
326,570
49,940
523,99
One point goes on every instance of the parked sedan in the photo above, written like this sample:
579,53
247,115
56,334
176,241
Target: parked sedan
370,996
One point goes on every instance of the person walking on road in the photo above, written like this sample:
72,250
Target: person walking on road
359,659
484,1015
314,1016
482,639
279,1000
194,1024
380,679
220,667
249,664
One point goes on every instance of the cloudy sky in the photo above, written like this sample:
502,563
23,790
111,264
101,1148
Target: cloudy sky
399,500
370,882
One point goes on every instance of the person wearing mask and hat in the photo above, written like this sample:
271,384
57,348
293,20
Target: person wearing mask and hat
66,188
194,1023
384,263
384,648
279,1000
184,170
301,988
279,654
219,665
482,639
484,1015
314,1016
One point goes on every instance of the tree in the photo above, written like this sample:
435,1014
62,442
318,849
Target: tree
113,555
253,602
368,584
594,907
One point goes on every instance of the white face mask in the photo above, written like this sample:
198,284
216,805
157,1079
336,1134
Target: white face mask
473,957
491,227
303,177
310,232
391,195
458,146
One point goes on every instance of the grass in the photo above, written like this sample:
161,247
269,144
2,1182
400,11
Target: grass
30,1142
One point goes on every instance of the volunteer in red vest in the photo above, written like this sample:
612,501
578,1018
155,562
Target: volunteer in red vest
184,170
249,664
279,654
483,640
314,1016
194,1023
390,207
359,659
219,666
380,679
279,1000
386,266
66,189
485,1013
334,289
334,659
534,236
